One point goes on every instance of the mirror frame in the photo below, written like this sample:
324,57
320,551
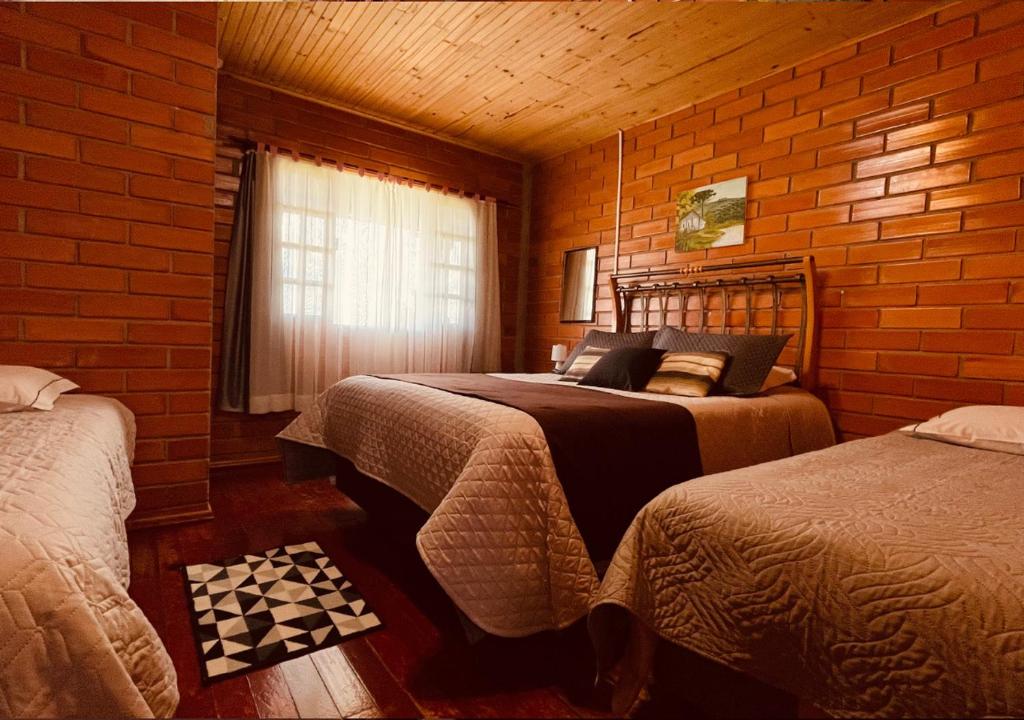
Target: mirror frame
593,294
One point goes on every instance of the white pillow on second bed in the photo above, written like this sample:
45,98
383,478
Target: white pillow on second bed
29,388
987,427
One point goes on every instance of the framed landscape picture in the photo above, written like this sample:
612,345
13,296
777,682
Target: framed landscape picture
711,216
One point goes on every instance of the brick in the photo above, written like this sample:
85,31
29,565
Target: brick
74,225
994,317
36,354
72,277
85,18
854,150
121,357
895,118
880,296
920,317
883,339
845,234
930,178
169,380
117,53
884,252
921,225
858,65
124,158
167,426
978,193
170,334
85,124
74,174
30,85
29,247
73,329
933,84
980,47
176,46
110,255
169,141
976,95
1005,113
963,293
969,391
849,192
934,38
168,91
918,363
156,188
969,244
23,26
792,126
916,272
979,144
822,177
144,283
902,71
35,140
888,207
125,106
192,357
994,266
75,67
893,162
126,208
857,107
121,306
41,302
926,132
188,402
998,368
990,216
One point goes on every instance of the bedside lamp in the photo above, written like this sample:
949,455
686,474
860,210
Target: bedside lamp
558,355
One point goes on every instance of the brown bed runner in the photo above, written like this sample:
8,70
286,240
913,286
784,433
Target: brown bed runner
612,453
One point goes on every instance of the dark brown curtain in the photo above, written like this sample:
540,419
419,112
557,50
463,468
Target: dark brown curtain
233,392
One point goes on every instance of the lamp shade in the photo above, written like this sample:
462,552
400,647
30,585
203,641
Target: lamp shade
559,352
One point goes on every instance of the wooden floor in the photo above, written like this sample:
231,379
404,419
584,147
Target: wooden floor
418,664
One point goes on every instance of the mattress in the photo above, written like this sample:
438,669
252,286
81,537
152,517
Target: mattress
881,577
73,642
500,539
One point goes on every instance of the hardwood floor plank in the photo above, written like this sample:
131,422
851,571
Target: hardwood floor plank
270,693
344,684
312,698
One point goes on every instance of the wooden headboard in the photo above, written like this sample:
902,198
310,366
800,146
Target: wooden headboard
757,297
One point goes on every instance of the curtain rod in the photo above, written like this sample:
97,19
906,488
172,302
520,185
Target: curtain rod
343,165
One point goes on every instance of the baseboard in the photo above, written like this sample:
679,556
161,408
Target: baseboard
170,516
242,462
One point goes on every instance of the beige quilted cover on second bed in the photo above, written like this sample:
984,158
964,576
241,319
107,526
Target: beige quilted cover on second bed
500,538
72,643
878,578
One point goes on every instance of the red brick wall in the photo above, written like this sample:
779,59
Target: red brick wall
249,111
106,219
896,162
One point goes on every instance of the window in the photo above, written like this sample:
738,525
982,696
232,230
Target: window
353,275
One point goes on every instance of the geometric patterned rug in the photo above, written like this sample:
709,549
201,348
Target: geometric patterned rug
256,610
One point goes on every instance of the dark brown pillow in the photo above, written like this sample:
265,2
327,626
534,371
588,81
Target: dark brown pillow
751,356
610,340
624,369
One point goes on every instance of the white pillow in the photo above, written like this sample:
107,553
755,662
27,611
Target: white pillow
987,427
26,388
777,376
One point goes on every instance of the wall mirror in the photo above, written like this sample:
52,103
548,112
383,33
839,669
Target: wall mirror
579,279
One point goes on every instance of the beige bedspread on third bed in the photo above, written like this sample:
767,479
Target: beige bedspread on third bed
881,577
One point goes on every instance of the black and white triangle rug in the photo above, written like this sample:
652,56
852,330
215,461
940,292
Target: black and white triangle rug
255,610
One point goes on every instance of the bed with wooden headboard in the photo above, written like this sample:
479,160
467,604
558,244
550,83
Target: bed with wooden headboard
524,479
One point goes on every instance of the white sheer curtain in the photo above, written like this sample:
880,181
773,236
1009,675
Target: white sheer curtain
356,275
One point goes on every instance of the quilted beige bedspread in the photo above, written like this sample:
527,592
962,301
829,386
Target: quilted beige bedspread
500,539
72,643
882,577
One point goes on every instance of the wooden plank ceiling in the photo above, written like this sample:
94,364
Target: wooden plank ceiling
531,79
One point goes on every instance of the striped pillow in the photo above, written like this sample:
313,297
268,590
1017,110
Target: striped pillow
582,364
691,374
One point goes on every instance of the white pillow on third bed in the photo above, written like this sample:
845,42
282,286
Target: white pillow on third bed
29,388
987,427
